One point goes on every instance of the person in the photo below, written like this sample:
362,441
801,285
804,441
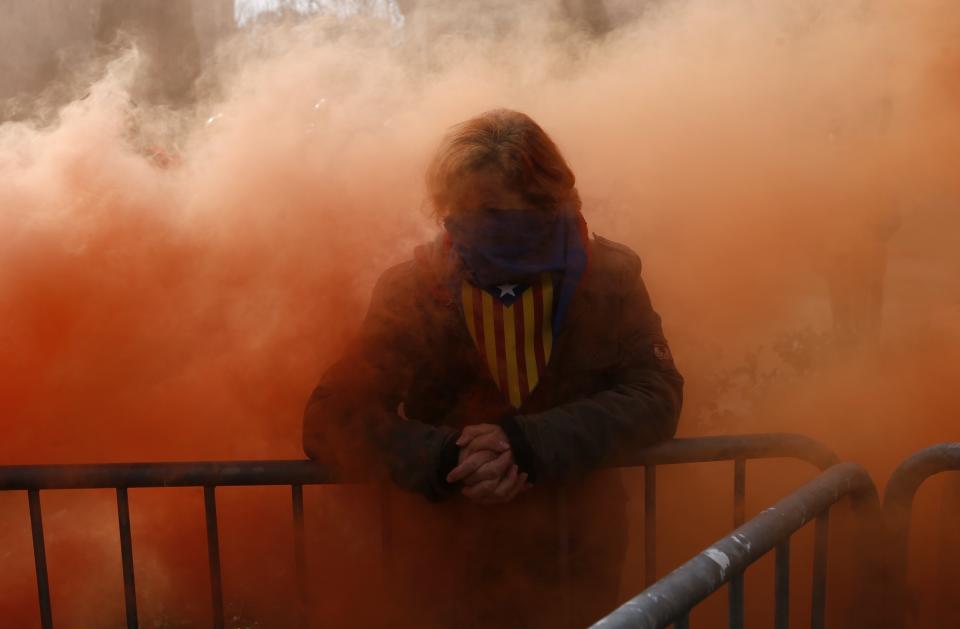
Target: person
501,373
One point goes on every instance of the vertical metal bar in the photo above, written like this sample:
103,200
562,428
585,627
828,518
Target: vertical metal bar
126,558
683,622
299,553
649,524
386,534
213,554
739,492
563,553
781,587
948,554
40,559
735,602
735,588
819,602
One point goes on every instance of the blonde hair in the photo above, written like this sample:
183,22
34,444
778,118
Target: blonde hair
511,143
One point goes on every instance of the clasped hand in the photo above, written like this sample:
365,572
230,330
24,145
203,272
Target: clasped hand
486,466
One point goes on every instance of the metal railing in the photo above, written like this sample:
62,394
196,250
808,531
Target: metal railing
897,505
125,476
210,475
736,448
671,599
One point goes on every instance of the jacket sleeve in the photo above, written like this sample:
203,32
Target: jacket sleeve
353,420
641,406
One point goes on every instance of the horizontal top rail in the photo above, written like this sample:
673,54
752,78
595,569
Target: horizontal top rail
201,473
732,447
187,474
909,475
303,472
671,597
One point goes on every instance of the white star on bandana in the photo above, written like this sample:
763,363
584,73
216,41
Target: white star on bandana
507,290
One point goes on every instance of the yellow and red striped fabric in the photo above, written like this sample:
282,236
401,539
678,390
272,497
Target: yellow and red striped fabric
515,341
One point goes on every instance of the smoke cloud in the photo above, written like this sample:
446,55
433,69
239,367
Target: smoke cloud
174,281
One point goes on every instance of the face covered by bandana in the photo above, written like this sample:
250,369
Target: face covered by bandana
506,246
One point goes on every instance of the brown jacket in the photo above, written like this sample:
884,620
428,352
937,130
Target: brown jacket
396,401
610,385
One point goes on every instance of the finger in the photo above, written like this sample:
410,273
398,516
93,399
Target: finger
492,487
490,498
475,430
494,470
490,492
516,490
521,487
470,465
482,490
492,440
488,489
508,484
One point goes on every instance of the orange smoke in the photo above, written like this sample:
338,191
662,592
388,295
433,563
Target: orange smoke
185,312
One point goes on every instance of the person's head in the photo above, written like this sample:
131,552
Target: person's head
499,160
507,199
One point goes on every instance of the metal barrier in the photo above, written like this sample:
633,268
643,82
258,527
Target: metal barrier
671,599
123,477
736,448
897,506
296,474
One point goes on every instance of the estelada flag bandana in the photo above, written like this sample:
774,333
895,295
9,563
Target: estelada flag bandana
513,332
492,247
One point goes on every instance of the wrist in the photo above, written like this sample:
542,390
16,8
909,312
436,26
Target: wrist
449,458
523,454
